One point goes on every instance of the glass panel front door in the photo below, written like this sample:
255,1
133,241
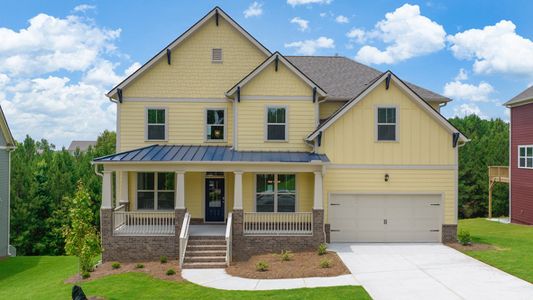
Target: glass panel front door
214,200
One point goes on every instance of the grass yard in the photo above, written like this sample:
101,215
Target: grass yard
42,277
513,246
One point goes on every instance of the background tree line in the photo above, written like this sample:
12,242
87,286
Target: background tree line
44,180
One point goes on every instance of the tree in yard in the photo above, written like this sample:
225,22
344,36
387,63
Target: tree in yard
81,236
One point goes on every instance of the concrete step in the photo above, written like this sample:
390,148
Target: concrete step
207,237
206,259
206,242
203,265
205,247
206,253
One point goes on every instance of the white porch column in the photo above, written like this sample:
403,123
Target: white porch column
318,202
107,192
237,198
179,201
124,190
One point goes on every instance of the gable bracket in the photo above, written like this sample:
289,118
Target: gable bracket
276,63
455,138
238,94
119,93
314,94
387,81
319,139
168,56
216,17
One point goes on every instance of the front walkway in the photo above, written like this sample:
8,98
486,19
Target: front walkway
427,271
219,279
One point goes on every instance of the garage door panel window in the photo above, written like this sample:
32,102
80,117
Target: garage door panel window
275,193
525,157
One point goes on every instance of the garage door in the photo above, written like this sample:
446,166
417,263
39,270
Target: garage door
385,218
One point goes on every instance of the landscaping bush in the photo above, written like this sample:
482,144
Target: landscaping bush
115,265
261,266
464,238
85,275
286,255
171,272
163,259
322,249
139,266
325,263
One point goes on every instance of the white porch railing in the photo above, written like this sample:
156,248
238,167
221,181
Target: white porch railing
298,223
228,238
132,223
184,237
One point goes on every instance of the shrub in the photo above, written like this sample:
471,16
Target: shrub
464,238
286,255
322,249
170,272
261,266
85,275
139,266
325,263
115,265
163,259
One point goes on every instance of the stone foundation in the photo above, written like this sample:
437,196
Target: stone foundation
327,228
244,246
449,233
137,248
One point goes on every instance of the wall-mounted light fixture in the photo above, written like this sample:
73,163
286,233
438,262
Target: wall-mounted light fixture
386,177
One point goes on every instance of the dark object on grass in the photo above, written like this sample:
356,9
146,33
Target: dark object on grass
77,293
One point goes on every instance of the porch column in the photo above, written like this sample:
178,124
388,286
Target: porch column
179,201
107,192
318,202
237,198
124,190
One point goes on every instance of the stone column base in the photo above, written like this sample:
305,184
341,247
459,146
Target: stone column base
449,233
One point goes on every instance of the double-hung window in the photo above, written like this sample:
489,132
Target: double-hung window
275,193
276,126
387,124
215,124
525,157
155,191
156,124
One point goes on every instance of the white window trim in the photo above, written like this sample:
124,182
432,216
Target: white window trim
206,127
146,139
397,124
276,190
286,124
155,191
526,156
221,56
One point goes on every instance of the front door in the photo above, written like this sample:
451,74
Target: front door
214,199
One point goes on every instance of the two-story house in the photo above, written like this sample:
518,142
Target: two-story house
7,144
273,152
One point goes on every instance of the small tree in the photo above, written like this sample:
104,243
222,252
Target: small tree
81,236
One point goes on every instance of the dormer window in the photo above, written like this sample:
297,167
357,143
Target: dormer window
216,55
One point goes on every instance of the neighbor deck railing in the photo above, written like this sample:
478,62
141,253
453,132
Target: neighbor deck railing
143,223
297,223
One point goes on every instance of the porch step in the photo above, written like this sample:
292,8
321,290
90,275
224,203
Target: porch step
210,253
206,247
207,259
207,237
203,265
206,242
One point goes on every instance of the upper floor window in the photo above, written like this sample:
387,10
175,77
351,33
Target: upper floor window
215,124
156,124
276,124
216,55
155,191
525,157
275,193
386,124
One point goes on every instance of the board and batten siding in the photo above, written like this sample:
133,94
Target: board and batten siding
4,197
329,107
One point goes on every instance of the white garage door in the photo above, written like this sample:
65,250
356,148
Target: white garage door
385,218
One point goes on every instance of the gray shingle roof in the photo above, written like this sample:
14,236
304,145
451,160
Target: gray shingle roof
82,145
344,78
523,96
188,153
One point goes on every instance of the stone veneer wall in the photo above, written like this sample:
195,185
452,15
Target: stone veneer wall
137,248
449,233
244,246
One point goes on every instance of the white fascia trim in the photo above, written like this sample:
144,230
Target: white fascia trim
519,102
265,64
414,96
183,37
186,100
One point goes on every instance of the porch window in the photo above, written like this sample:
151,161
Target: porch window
276,193
386,124
156,124
276,127
525,157
215,124
155,191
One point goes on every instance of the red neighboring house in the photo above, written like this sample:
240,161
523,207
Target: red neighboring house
521,158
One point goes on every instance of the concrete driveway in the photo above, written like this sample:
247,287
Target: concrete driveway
427,271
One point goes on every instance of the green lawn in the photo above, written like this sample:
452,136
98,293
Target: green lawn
42,278
513,244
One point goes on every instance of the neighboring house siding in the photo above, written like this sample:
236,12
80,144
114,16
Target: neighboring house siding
329,107
4,200
521,179
192,73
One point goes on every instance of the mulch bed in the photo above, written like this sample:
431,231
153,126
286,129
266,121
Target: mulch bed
153,268
302,264
472,247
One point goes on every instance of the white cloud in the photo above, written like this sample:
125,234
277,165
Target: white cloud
303,25
309,47
4,79
465,109
408,33
84,8
254,10
495,49
470,92
294,3
356,35
462,75
342,19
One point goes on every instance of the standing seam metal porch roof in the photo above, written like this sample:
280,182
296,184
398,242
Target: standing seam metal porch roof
189,153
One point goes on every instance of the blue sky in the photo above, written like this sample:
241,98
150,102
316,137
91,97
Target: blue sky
58,58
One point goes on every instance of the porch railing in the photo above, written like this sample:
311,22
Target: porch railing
228,238
184,237
132,223
297,223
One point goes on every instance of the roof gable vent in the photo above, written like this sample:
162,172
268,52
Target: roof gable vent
216,55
